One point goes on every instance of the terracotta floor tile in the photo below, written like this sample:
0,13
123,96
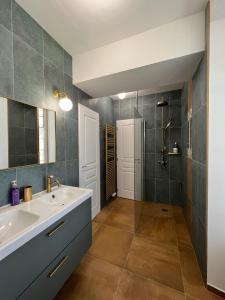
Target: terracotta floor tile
178,215
183,235
145,226
94,279
156,261
112,245
193,282
103,215
122,205
164,230
138,206
177,210
121,220
208,296
157,210
134,287
95,228
158,229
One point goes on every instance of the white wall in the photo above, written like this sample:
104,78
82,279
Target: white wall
216,146
176,39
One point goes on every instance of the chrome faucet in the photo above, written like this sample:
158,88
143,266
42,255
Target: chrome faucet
51,183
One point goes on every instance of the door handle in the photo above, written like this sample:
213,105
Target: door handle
85,166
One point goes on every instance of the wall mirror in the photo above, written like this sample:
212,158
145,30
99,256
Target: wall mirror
27,134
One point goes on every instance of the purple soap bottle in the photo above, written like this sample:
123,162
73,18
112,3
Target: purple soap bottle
14,193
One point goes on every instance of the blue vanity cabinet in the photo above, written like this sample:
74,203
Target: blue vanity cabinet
23,268
53,277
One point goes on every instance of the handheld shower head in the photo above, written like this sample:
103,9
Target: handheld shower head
170,124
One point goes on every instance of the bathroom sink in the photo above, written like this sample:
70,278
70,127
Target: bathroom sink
19,224
62,196
13,222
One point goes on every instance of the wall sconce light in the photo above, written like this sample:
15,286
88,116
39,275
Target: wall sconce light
64,102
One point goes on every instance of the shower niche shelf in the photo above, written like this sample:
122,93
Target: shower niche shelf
171,153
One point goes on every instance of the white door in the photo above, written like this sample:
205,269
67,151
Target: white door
125,158
89,160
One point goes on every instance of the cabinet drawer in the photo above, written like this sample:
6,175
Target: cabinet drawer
52,279
20,268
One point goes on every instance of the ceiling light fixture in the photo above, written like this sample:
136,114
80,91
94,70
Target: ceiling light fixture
122,96
65,102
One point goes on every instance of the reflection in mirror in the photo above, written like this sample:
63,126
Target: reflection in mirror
27,134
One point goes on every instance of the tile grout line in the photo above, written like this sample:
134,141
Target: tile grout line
123,269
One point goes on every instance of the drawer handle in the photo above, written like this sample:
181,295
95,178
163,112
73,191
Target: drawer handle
54,230
59,266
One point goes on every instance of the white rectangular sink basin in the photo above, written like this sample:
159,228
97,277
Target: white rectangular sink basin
21,223
13,222
62,197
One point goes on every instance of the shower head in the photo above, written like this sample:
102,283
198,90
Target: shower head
170,124
162,103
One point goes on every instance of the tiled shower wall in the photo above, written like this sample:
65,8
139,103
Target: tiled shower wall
162,185
198,132
32,65
199,164
184,142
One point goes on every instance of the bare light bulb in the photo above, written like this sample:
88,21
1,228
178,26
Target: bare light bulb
122,96
65,104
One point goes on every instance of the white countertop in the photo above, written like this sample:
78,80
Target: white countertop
46,210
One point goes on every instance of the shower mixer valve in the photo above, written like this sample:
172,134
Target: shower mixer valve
164,129
163,162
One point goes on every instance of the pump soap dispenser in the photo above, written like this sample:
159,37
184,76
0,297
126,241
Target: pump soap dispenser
14,194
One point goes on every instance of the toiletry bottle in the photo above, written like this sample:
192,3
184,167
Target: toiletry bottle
175,148
14,193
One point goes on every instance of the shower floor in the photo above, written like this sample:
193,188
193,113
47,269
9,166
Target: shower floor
155,261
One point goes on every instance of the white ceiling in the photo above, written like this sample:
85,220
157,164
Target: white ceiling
154,77
82,25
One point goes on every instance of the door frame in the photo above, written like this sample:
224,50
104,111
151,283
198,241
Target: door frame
82,107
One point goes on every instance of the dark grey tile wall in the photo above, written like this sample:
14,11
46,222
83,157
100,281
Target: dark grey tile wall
6,58
184,141
161,185
198,132
32,65
104,106
199,164
124,109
